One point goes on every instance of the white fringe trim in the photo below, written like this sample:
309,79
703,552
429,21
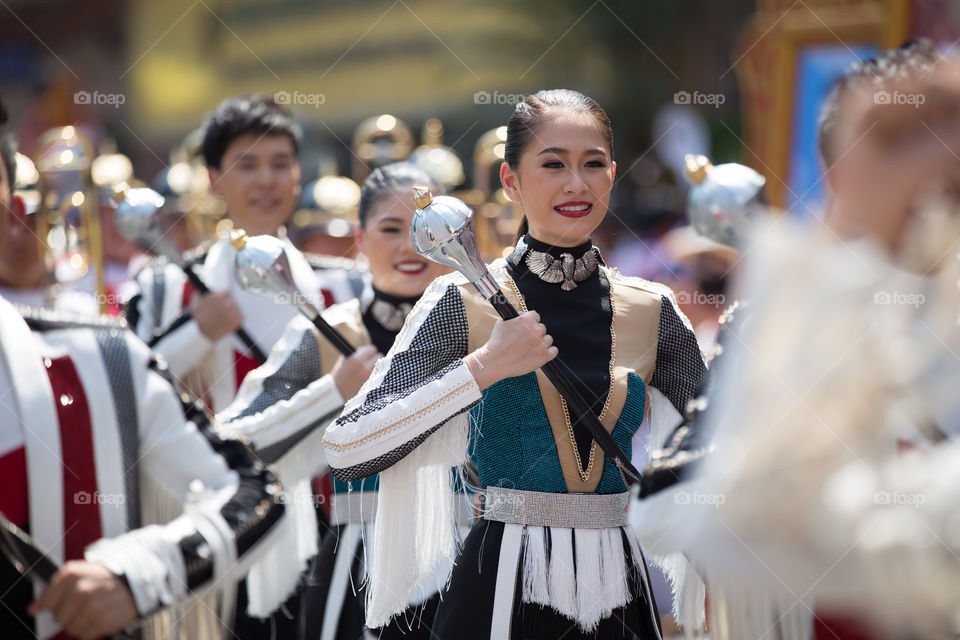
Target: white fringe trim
739,612
689,593
586,595
275,575
535,589
407,561
197,618
563,579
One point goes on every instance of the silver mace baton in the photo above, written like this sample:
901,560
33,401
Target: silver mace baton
263,268
138,221
443,231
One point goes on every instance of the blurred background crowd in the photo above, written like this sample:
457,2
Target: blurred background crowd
433,81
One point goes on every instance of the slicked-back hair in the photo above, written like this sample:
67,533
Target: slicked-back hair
530,113
386,180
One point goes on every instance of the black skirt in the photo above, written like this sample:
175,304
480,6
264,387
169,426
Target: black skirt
466,610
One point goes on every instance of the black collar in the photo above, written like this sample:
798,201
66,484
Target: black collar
528,242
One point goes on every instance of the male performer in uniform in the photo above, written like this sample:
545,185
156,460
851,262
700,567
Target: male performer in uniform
250,145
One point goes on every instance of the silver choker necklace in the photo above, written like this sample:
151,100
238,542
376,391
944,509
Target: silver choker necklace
388,315
565,269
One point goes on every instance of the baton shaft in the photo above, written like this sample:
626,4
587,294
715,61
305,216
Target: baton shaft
333,336
245,337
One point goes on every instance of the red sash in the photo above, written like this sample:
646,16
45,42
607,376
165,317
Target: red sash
14,499
81,508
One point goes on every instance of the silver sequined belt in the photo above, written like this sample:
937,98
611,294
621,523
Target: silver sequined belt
360,507
571,510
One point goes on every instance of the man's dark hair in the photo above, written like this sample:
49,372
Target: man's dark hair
914,56
8,148
257,113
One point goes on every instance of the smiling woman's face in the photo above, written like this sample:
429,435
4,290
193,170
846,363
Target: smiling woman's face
396,268
563,178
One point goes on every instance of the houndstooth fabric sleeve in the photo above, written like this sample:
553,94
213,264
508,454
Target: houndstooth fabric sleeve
413,391
680,365
286,398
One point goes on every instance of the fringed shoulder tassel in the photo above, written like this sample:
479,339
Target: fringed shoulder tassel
415,539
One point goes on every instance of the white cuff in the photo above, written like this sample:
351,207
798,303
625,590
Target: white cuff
151,561
285,418
379,432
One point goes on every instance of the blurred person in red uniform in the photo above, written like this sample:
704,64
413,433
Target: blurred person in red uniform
92,435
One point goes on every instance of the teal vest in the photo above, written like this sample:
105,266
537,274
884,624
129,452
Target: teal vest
512,442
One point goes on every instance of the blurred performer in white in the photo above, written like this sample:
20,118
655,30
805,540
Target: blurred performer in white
849,351
92,443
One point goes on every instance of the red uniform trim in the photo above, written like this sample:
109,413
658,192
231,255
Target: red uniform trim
328,300
15,499
81,509
242,365
187,295
835,626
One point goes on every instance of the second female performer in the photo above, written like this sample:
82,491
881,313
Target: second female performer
552,556
302,386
